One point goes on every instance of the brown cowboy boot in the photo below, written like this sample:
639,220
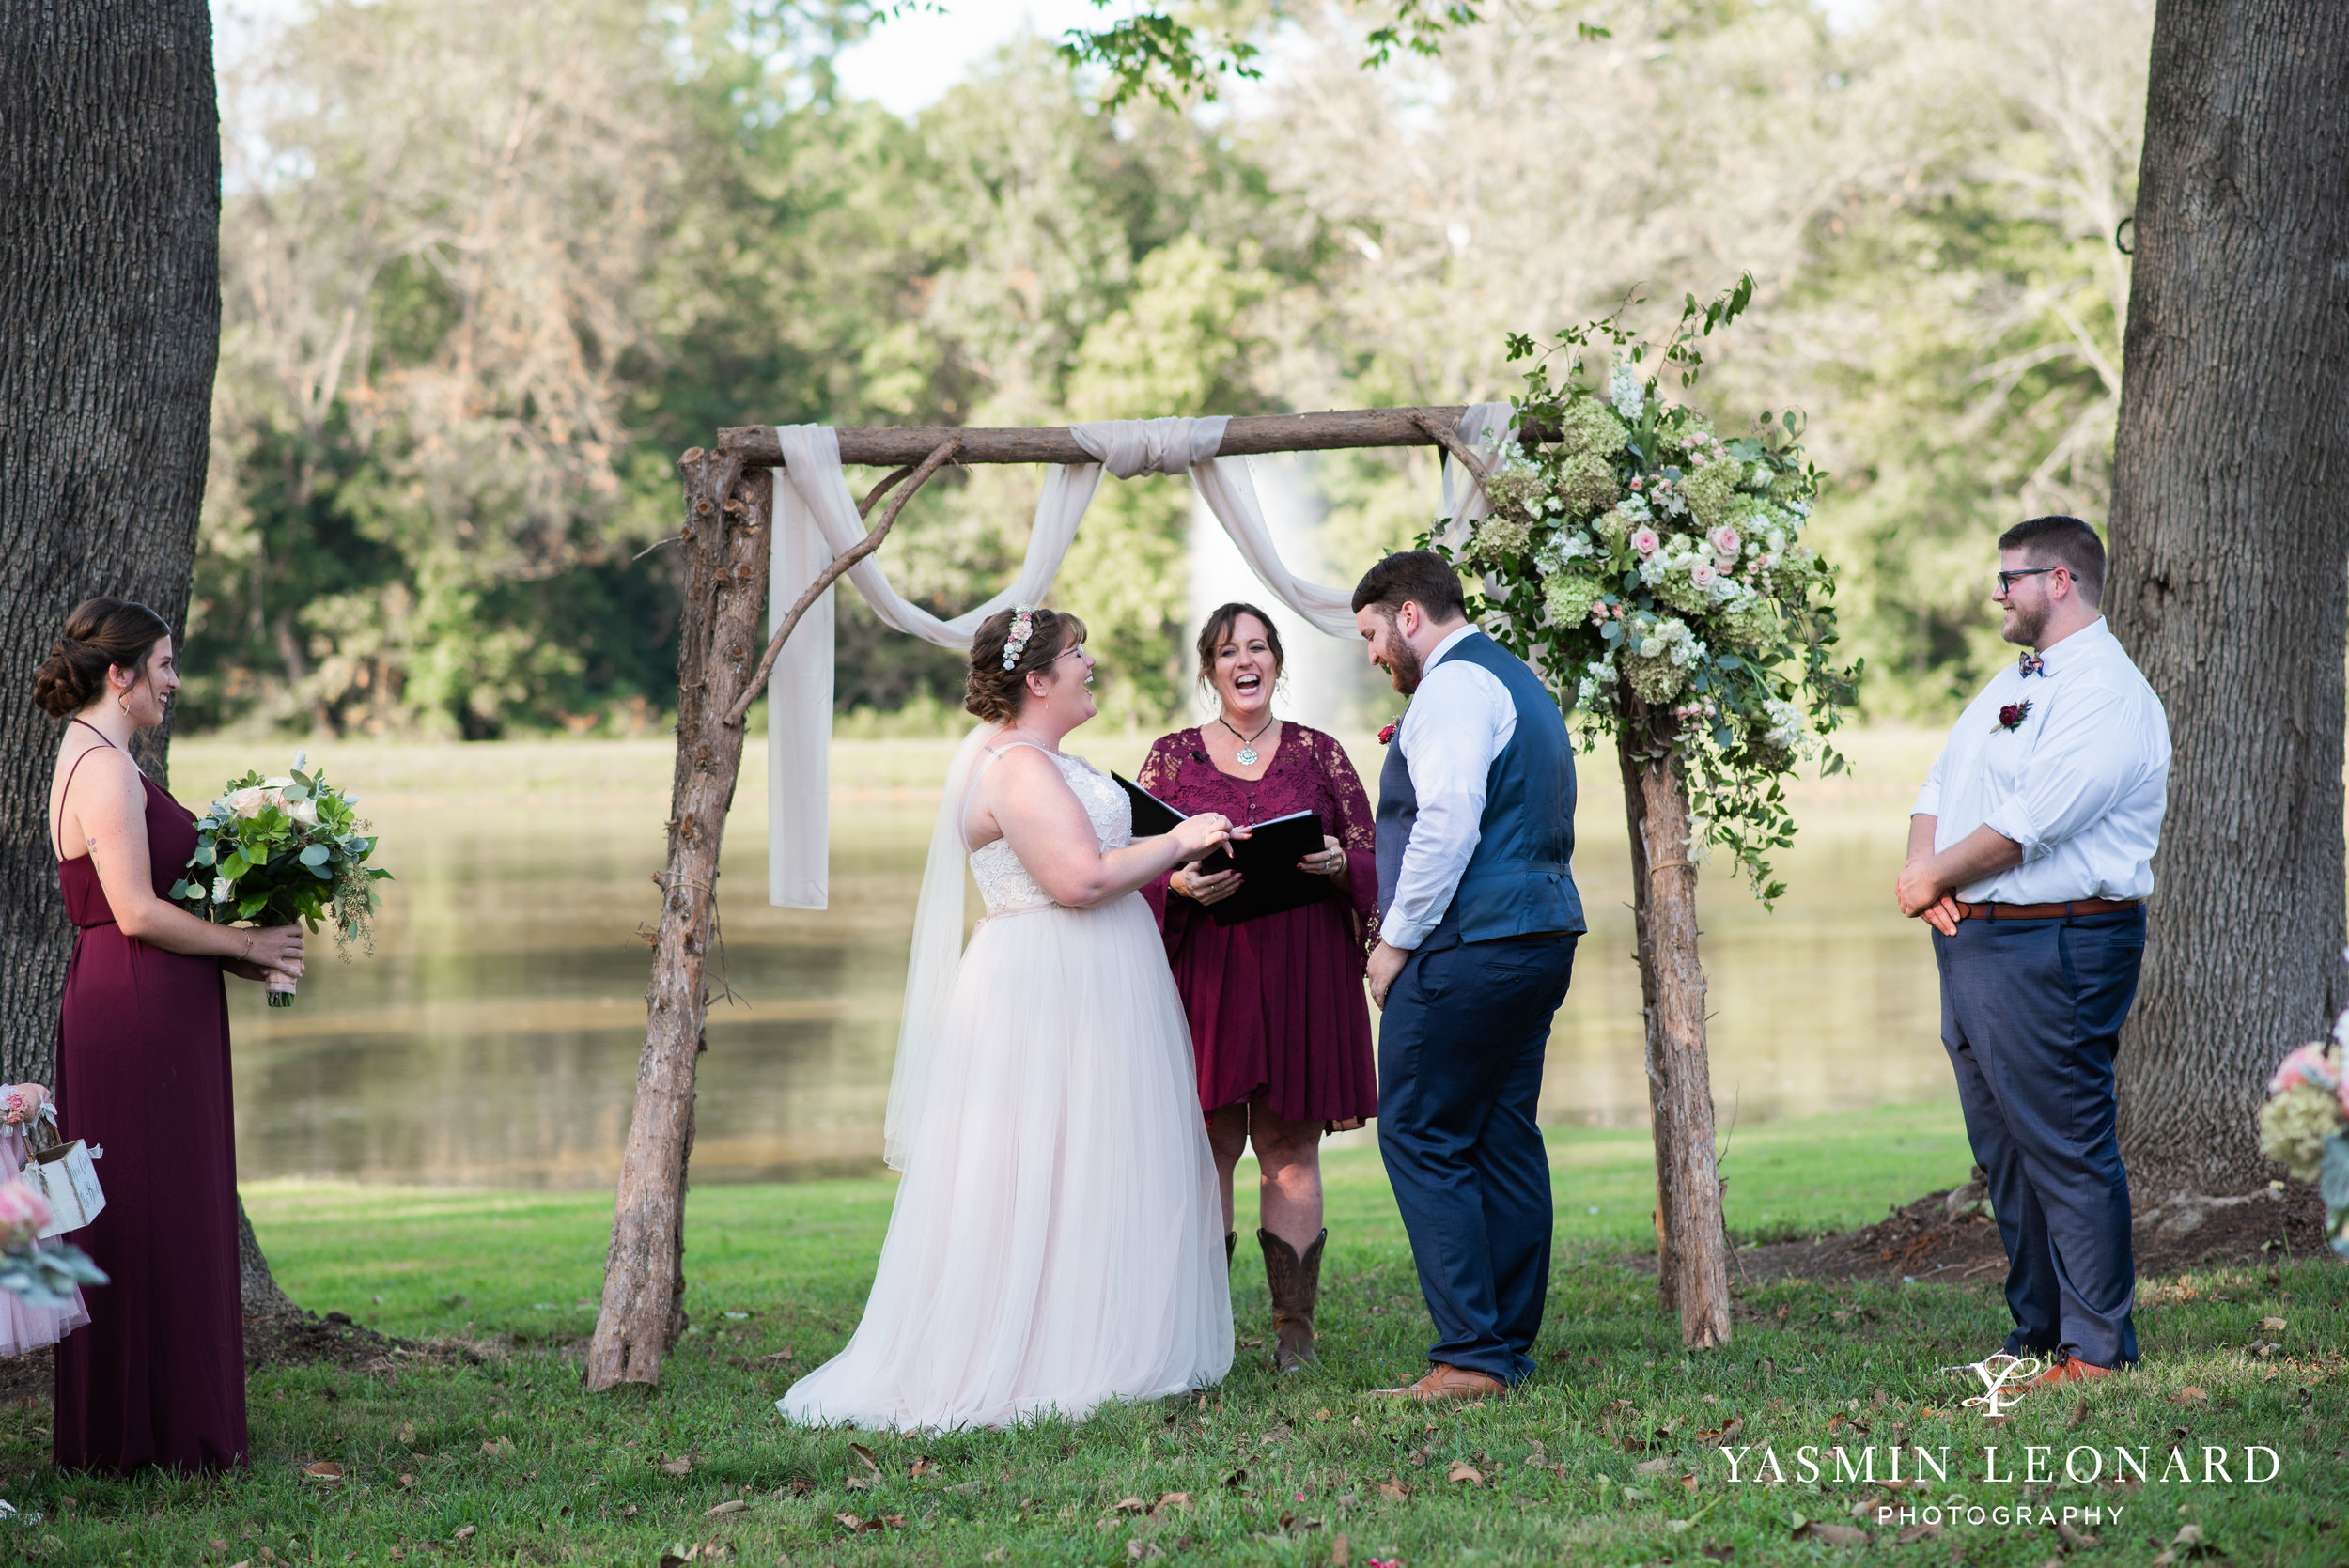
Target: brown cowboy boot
1296,1286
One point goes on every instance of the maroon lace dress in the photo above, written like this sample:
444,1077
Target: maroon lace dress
158,1375
1278,1014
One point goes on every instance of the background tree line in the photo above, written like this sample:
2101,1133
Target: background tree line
486,270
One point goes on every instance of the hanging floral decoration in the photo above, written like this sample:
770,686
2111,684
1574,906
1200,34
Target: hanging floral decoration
1655,574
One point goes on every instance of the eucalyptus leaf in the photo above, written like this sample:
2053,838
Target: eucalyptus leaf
315,855
205,855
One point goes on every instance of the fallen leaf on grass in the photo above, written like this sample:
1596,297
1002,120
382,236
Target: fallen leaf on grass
1834,1535
1463,1471
1131,1505
2274,1324
922,1466
1720,1551
1921,1533
1652,1467
1725,1435
325,1470
406,1479
1341,1552
676,1467
732,1505
2189,1396
1172,1499
502,1446
408,1434
1393,1489
865,1455
1236,1478
1000,1554
1274,1436
466,1534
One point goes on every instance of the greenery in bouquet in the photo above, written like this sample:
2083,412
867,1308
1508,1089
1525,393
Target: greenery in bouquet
1655,574
2304,1126
277,850
42,1274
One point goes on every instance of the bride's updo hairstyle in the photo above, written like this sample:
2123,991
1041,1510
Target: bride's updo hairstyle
102,634
994,693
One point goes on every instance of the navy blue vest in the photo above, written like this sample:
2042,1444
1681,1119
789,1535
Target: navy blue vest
1519,881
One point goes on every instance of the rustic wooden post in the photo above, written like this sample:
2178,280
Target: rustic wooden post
725,543
1691,1246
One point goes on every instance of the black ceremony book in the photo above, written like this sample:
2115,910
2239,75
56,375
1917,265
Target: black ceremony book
1267,858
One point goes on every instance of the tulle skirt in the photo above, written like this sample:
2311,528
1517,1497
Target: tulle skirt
24,1329
1058,1238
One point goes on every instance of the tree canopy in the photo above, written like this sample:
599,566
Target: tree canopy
486,269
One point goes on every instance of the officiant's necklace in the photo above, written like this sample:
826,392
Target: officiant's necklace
1247,742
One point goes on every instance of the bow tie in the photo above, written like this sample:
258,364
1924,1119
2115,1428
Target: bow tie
2031,663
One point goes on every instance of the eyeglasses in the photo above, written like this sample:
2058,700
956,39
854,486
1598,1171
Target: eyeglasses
2008,579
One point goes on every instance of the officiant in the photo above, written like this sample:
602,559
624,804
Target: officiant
1278,1019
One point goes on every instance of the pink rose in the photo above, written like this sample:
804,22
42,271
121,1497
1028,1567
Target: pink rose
23,1213
1725,542
1644,540
2309,1066
1702,575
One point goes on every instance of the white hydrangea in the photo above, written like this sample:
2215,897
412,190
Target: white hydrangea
1624,390
1785,732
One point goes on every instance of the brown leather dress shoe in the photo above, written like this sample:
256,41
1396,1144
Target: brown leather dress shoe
2070,1370
1444,1381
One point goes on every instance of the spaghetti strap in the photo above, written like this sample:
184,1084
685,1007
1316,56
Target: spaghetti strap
54,841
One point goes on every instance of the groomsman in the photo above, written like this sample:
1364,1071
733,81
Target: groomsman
2030,854
1478,916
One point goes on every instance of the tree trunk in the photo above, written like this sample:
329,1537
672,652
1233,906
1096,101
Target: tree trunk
109,327
727,540
1692,1255
2230,540
263,1296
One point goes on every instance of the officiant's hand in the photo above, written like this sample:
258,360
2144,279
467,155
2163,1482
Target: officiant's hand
1205,889
1330,863
1385,964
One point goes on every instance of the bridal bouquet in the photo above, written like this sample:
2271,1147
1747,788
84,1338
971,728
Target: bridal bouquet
1656,573
2304,1126
273,851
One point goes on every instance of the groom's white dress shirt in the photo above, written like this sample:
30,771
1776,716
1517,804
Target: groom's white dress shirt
2081,783
1459,719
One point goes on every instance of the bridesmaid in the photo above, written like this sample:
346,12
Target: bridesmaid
1278,1019
158,1375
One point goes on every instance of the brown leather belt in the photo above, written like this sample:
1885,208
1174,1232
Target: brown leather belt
2047,912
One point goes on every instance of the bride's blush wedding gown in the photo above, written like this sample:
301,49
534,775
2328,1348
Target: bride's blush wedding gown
1058,1238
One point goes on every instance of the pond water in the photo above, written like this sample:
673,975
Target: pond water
493,1037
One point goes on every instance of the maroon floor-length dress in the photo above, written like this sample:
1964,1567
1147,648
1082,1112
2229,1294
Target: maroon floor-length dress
1277,1011
158,1375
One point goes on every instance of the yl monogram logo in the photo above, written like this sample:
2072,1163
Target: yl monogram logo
2005,1381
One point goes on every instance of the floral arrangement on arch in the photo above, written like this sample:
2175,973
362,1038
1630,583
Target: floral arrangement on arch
1655,573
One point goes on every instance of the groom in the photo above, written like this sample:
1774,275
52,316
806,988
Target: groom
1478,916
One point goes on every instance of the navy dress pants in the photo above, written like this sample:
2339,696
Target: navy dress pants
2030,1013
1460,1049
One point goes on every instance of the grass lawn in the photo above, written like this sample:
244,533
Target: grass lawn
1608,1457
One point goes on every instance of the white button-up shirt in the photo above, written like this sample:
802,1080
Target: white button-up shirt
1459,719
2081,783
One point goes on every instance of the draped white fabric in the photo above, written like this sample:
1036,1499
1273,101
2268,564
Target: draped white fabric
1483,429
815,519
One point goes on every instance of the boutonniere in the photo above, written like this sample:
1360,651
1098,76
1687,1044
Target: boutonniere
2010,717
1386,737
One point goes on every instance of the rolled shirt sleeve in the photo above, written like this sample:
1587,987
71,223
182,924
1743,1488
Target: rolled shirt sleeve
2076,775
1929,797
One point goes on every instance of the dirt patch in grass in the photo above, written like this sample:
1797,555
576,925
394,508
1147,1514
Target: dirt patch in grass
1946,1237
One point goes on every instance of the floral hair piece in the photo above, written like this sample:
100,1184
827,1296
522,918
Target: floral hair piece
1023,628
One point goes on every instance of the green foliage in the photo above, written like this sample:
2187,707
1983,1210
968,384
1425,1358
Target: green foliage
1658,574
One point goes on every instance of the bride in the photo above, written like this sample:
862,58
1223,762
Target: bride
1058,1238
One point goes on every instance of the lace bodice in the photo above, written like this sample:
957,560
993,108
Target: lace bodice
1004,884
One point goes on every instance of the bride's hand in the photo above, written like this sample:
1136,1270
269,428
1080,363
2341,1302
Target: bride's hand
1197,835
1212,888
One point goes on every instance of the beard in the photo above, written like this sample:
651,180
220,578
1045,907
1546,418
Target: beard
2023,626
1401,661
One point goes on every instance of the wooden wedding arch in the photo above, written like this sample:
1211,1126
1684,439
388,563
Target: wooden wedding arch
723,666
